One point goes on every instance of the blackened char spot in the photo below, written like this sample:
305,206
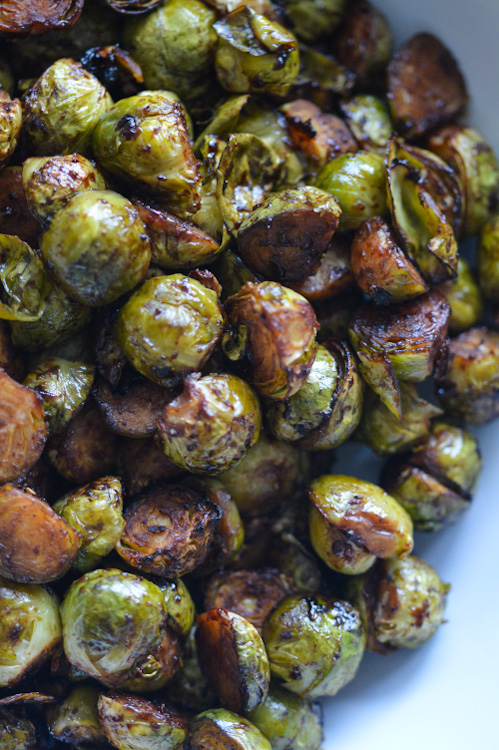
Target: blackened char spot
128,127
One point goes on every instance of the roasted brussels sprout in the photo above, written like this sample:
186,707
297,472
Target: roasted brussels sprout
469,389
16,731
291,557
170,326
218,729
464,297
289,722
233,658
130,722
24,285
133,406
229,531
363,42
179,606
312,19
50,181
142,463
61,110
10,125
114,629
95,511
132,7
30,630
333,276
189,687
24,19
255,54
211,425
15,217
115,68
368,118
144,140
314,644
76,720
6,77
488,260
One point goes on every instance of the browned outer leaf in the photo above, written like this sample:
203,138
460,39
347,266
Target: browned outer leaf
31,17
318,135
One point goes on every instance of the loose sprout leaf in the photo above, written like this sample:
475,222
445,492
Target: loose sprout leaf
23,279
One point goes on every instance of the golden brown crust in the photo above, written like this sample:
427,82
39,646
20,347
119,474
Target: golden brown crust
318,135
32,17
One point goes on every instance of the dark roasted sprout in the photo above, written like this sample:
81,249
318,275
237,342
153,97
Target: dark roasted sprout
230,241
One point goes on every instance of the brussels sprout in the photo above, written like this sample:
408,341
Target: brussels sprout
208,217
293,559
363,42
464,297
476,168
275,328
289,722
16,731
76,720
333,276
488,260
255,54
142,463
170,326
168,532
95,511
380,267
285,237
62,108
10,125
50,181
470,388
23,431
96,247
233,658
24,19
64,387
115,68
114,630
15,217
175,47
144,140
24,285
232,273
384,433
368,117
132,6
320,78
358,182
312,19
314,644
189,687
30,630
211,425
218,729
401,341
179,606
132,723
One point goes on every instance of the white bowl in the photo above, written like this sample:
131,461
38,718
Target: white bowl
445,695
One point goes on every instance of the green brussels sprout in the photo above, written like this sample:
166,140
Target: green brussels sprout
169,327
233,658
488,260
61,110
232,273
312,19
211,425
144,140
10,125
114,629
293,559
208,216
30,629
274,328
363,43
175,46
50,181
76,720
358,182
96,247
464,297
314,644
132,723
24,285
476,168
469,389
289,722
95,511
285,237
384,433
321,77
219,729
352,522
255,54
368,117
189,687
64,387
179,606
16,731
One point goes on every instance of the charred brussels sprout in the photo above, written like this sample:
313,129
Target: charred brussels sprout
114,630
24,285
289,722
175,46
218,729
464,297
488,260
179,606
314,644
64,387
50,181
16,732
23,19
130,723
274,327
76,720
144,140
10,125
233,659
30,630
211,425
229,531
96,513
333,276
470,388
312,19
352,522
255,54
369,120
62,108
363,42
170,326
358,182
96,247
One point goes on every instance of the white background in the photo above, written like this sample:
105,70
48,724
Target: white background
445,695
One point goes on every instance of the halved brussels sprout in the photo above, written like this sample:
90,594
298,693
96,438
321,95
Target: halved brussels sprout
76,720
30,631
255,54
17,731
95,511
179,606
464,297
15,217
488,260
368,118
62,108
208,217
363,42
218,729
10,125
142,463
24,19
333,276
289,722
24,283
314,644
233,658
229,531
211,425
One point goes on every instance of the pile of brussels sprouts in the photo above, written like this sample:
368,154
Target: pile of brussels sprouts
228,243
